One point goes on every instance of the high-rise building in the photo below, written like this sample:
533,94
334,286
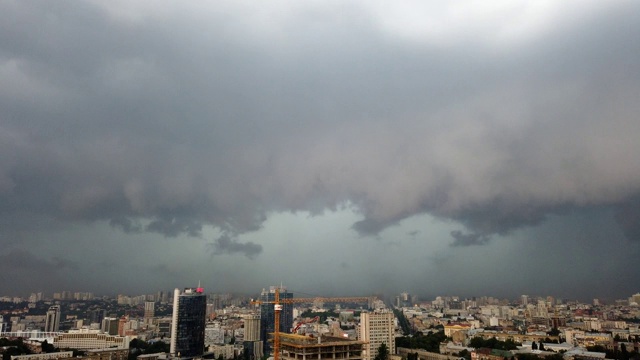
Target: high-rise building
110,325
122,325
253,347
52,322
376,328
251,327
267,314
188,322
149,312
96,316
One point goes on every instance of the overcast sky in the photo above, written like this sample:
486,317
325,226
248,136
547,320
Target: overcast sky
340,147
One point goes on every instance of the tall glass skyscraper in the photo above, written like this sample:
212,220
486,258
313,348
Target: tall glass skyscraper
187,327
267,315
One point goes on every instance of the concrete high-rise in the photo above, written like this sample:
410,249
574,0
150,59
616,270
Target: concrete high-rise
251,327
376,328
188,322
253,347
267,314
52,322
149,312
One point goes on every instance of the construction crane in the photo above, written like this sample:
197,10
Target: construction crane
302,322
277,307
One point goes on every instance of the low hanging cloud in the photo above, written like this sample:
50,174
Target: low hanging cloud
627,216
18,260
226,244
133,127
462,239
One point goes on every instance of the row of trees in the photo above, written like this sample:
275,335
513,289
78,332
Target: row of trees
493,343
429,341
17,347
139,347
403,322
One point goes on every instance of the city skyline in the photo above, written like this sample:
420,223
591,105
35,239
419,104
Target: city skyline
337,147
405,298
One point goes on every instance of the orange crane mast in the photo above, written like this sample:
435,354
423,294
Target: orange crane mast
277,307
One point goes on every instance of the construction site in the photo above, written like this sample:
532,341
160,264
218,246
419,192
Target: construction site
302,347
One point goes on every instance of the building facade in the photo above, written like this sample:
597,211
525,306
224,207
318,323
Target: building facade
149,312
110,325
251,327
44,356
188,322
52,323
89,339
376,328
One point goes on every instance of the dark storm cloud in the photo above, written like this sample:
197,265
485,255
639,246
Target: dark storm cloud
627,216
226,244
173,227
125,224
167,119
18,260
20,269
462,239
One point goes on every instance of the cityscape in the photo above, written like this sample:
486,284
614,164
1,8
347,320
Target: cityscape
191,324
319,180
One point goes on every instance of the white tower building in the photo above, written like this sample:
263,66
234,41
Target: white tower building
376,328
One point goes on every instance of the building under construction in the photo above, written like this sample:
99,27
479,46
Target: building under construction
301,347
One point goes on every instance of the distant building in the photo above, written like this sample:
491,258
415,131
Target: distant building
251,327
188,322
110,325
490,354
89,339
267,314
44,356
122,325
253,347
96,316
52,323
376,328
107,354
252,350
224,351
149,310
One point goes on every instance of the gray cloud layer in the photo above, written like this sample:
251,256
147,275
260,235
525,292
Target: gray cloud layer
167,120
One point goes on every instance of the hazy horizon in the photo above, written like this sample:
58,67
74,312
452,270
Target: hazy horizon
338,147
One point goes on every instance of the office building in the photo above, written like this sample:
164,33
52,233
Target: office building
267,314
188,322
377,327
52,322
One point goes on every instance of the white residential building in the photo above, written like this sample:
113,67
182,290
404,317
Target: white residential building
377,327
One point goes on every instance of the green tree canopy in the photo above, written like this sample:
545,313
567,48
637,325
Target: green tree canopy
383,352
